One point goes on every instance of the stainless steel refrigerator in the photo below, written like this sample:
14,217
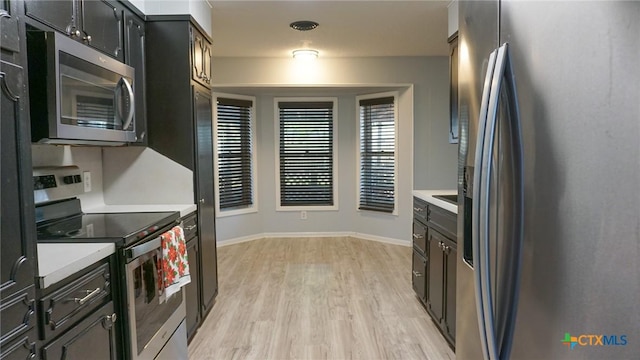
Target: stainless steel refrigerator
549,177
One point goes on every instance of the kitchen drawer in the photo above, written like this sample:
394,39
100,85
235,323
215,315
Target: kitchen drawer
419,238
17,313
64,307
418,279
190,226
420,210
444,221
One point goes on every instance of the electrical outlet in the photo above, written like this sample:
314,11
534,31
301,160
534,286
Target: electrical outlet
87,181
303,215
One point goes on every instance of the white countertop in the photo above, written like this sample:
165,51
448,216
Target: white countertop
57,261
184,209
427,195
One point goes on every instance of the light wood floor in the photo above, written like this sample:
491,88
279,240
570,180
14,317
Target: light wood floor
317,298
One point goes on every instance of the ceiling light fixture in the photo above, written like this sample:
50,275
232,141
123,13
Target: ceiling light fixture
303,25
305,54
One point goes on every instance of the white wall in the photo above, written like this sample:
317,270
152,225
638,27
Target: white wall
200,10
138,175
435,164
87,158
347,218
121,175
452,21
423,110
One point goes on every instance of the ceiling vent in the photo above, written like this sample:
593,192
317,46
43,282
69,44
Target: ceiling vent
304,25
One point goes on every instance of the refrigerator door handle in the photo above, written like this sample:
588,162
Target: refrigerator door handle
485,196
501,73
478,179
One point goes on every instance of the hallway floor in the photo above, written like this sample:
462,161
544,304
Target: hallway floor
317,298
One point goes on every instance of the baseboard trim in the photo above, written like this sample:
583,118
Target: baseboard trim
381,239
307,234
239,240
356,235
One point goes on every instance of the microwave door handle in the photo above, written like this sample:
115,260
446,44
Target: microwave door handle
127,120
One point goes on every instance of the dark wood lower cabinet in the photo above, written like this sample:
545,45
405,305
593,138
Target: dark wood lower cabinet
434,272
441,283
192,292
24,347
435,281
450,286
93,338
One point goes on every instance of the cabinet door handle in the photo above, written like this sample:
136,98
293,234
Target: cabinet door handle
417,209
417,273
48,320
113,318
90,294
109,320
190,227
418,236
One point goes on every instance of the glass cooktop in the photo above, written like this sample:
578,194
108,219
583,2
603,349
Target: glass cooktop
117,227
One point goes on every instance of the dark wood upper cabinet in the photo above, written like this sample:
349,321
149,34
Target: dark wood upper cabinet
60,15
102,25
97,23
134,56
200,58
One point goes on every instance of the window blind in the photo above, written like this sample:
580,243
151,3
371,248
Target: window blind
234,153
306,153
377,154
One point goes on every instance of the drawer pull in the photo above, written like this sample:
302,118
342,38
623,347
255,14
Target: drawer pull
416,209
418,236
90,294
417,273
190,227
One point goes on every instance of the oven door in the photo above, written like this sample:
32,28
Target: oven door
151,323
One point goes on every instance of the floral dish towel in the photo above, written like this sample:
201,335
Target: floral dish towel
173,264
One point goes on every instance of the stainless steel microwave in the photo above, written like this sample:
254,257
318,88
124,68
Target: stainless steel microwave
78,95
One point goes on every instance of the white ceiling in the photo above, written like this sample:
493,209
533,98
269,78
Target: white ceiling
347,28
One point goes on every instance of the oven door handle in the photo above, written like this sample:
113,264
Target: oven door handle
144,248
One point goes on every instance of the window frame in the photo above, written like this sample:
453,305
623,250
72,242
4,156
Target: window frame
335,177
254,157
395,95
